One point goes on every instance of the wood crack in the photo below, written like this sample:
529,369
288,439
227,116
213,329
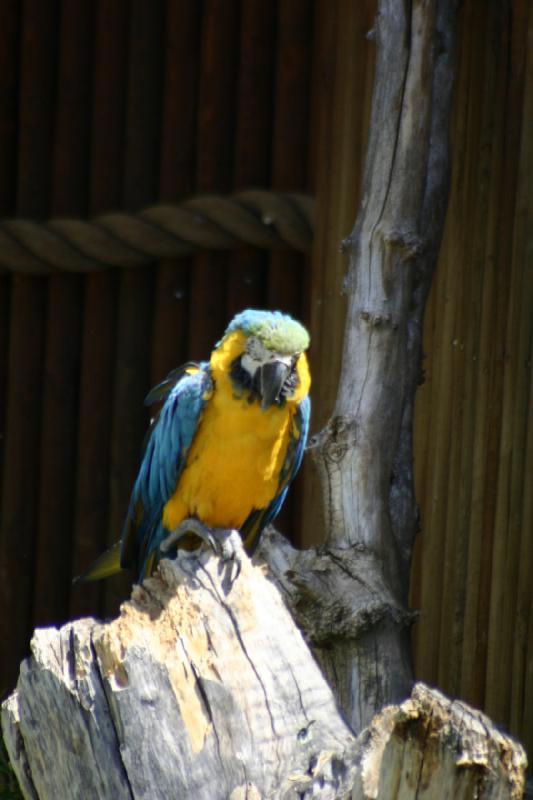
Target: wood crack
205,701
111,716
235,625
395,145
423,752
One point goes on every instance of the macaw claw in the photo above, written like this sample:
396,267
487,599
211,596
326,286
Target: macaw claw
225,543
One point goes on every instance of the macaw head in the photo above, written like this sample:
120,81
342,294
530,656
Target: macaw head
268,356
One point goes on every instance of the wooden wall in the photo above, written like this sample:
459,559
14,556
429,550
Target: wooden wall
108,105
119,103
474,431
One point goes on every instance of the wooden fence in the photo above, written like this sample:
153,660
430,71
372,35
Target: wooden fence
117,104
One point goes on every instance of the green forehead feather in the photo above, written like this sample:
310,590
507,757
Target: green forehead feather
276,331
286,336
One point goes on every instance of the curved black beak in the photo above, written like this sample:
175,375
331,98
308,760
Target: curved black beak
271,379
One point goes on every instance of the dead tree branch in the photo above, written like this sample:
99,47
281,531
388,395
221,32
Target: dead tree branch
364,455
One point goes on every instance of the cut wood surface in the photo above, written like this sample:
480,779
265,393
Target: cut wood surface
434,748
203,687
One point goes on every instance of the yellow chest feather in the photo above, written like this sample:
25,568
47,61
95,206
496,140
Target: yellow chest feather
233,465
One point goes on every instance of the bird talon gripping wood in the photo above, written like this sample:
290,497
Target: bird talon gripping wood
187,528
221,453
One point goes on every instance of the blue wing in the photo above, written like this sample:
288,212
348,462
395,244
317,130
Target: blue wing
164,459
259,519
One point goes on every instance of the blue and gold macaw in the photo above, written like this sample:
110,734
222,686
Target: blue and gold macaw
228,441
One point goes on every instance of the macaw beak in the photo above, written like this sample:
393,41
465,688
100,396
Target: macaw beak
272,376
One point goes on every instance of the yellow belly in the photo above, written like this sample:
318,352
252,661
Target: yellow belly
234,463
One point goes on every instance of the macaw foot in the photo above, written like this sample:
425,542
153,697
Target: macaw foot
184,530
226,543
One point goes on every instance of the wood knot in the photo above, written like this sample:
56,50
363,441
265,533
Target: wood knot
341,435
347,245
409,243
378,320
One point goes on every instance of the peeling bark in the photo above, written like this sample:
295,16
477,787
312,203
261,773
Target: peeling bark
364,454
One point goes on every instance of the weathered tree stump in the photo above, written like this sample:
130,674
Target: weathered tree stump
203,687
434,748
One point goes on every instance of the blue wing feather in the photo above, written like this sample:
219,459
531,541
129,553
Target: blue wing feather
164,459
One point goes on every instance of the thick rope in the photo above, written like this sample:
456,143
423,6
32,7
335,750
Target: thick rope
265,219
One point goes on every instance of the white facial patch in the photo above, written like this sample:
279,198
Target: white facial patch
256,355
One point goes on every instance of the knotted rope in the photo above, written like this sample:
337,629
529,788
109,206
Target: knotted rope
265,219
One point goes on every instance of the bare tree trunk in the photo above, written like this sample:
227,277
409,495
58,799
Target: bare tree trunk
364,454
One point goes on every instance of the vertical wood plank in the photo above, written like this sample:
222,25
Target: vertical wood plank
5,295
9,83
522,690
484,155
505,629
63,326
490,365
214,167
447,512
434,513
177,170
134,322
515,354
445,366
247,272
28,307
9,57
521,721
99,323
288,273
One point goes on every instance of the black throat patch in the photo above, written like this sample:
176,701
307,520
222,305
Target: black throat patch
244,385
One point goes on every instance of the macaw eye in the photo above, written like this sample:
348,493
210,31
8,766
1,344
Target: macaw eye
253,347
